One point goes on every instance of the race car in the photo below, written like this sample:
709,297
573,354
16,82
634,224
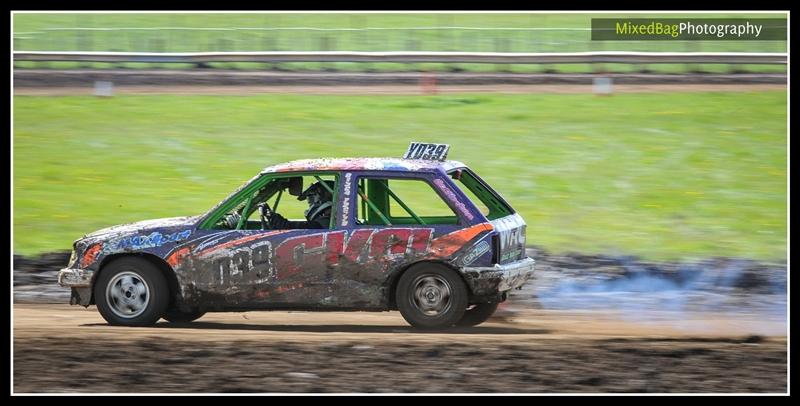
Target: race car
422,235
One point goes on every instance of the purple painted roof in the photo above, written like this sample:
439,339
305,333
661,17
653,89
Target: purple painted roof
363,164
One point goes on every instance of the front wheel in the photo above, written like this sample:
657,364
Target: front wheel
431,296
131,292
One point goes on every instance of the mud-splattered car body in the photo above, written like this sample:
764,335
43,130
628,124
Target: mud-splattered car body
353,265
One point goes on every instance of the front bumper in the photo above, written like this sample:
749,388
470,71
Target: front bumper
75,278
491,280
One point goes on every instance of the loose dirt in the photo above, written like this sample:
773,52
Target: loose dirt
62,348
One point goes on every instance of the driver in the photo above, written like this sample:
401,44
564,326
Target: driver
318,214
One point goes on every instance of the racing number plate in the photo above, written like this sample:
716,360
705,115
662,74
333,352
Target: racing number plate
421,150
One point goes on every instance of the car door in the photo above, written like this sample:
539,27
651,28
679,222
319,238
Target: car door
250,267
391,220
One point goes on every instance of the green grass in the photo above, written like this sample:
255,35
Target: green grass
663,176
38,32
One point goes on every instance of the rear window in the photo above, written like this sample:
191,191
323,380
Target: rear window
485,199
401,201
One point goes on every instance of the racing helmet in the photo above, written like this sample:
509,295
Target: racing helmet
318,197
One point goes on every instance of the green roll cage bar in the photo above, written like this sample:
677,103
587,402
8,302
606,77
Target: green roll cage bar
376,210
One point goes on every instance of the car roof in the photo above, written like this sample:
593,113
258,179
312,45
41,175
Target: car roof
364,164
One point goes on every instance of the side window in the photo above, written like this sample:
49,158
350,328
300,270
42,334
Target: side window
475,199
484,198
391,201
289,206
301,201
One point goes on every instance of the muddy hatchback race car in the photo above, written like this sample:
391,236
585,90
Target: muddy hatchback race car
420,234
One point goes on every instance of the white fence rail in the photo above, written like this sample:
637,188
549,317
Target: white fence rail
429,28
763,58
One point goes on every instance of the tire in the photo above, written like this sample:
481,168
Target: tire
477,314
177,316
431,296
131,292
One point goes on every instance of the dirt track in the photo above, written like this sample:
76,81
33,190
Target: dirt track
61,348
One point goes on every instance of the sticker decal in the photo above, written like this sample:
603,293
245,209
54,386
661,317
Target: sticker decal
479,249
137,242
348,181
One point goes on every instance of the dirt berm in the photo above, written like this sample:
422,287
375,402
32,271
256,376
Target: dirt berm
49,78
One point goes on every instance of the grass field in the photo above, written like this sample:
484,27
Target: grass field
675,175
213,32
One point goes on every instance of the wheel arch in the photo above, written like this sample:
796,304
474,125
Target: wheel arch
158,262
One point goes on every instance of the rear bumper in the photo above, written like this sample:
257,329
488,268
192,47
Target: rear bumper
487,281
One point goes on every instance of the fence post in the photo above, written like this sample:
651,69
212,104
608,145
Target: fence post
181,44
361,22
599,67
133,44
501,45
277,34
327,43
170,34
531,24
84,45
156,45
268,44
413,45
542,37
118,65
224,45
689,67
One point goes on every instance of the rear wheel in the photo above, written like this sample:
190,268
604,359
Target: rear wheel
477,314
131,292
177,316
431,296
